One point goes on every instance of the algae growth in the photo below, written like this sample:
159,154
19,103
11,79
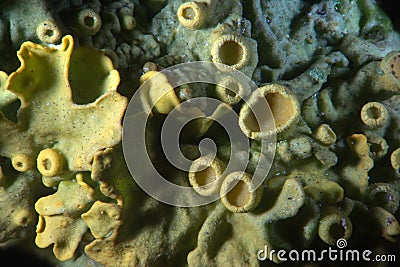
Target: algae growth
329,71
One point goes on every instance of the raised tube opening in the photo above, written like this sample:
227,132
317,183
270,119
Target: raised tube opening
281,107
89,22
374,114
48,32
235,193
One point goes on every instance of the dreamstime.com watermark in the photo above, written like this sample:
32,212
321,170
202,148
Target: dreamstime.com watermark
330,254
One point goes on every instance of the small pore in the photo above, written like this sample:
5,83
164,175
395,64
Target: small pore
89,21
22,162
192,15
383,198
49,33
188,13
46,163
374,113
375,148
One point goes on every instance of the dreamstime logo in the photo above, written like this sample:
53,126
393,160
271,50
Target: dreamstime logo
330,254
341,243
156,90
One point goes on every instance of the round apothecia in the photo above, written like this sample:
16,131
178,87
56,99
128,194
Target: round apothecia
285,110
48,32
236,194
230,50
333,227
192,15
374,115
205,175
88,21
22,162
50,162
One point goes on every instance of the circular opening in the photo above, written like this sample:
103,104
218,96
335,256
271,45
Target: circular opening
281,107
231,53
49,33
239,196
205,176
89,21
382,198
46,164
374,113
375,148
337,231
21,163
188,13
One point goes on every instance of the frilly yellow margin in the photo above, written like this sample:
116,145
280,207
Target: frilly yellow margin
59,221
192,15
42,84
24,86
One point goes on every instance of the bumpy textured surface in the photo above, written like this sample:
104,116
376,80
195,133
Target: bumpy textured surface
328,69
